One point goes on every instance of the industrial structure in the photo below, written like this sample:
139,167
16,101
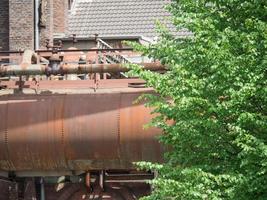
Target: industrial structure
68,119
70,128
32,24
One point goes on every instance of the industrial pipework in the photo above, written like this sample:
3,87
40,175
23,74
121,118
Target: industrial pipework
31,66
81,132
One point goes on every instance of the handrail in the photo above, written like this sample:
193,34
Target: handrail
115,58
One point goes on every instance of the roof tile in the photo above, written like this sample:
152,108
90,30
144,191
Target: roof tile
118,17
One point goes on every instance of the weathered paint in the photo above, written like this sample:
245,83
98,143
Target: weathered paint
75,131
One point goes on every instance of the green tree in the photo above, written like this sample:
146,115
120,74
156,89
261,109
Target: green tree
212,102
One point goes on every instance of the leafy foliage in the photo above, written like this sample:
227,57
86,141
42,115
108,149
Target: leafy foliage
212,101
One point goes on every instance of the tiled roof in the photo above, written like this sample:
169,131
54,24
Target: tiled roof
118,17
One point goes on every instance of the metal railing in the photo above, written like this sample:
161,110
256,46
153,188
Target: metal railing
111,58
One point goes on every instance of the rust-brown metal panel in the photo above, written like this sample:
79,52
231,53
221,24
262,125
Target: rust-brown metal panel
91,129
137,143
69,84
34,126
4,156
75,131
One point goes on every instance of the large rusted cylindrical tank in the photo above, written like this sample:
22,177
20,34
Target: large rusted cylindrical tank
75,131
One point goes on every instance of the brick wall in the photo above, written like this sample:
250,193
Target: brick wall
4,25
46,29
60,16
21,24
17,22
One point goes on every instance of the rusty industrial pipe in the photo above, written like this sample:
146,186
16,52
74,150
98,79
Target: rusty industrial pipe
44,69
29,57
88,181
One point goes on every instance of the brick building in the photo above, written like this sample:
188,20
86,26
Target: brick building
27,24
4,22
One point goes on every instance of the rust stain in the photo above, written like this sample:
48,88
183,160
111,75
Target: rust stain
76,131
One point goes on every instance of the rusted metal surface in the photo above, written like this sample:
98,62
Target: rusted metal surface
29,57
75,130
42,69
88,181
114,191
69,50
57,188
68,84
78,62
51,125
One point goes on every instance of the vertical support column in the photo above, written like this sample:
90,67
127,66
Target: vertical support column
36,24
97,75
102,180
42,184
88,181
